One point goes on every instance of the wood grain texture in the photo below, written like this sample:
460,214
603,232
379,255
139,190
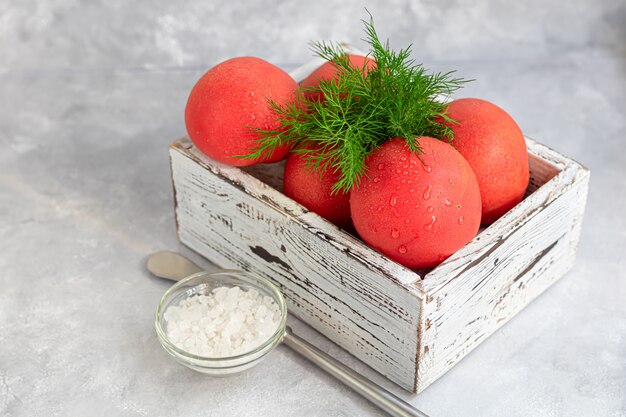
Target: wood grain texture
411,327
502,270
366,304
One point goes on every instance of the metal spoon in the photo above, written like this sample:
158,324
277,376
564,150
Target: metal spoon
174,266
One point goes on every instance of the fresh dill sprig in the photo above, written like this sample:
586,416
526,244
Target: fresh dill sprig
360,109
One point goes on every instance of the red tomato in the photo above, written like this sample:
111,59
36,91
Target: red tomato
230,99
312,189
417,212
328,71
495,148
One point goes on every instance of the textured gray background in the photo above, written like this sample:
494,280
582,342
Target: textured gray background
91,94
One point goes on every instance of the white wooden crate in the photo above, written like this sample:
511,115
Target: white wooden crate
409,326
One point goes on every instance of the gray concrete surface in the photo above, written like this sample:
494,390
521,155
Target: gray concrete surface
91,94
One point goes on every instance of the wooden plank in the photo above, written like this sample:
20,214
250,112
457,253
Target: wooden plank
410,330
365,304
496,275
411,326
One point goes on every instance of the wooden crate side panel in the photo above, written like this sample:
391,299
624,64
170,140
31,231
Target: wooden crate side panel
549,155
490,287
549,178
246,179
270,174
541,172
370,315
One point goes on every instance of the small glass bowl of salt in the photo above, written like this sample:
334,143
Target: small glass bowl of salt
221,322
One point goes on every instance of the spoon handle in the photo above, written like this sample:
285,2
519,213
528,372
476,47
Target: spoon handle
373,392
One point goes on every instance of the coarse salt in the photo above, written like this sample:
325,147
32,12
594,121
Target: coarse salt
228,321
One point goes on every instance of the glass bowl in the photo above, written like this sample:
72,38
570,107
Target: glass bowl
204,283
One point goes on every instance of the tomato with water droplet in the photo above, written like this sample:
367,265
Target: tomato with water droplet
329,71
313,189
493,144
220,116
426,233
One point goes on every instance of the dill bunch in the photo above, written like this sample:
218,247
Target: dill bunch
360,110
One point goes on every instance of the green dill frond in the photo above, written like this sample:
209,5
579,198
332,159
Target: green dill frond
360,109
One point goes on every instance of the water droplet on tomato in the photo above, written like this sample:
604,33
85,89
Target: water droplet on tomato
427,168
407,221
430,209
447,202
427,192
393,200
376,179
429,226
460,219
381,166
395,233
402,249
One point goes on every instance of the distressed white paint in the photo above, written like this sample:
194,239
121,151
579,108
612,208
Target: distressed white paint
358,298
410,329
411,326
504,268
